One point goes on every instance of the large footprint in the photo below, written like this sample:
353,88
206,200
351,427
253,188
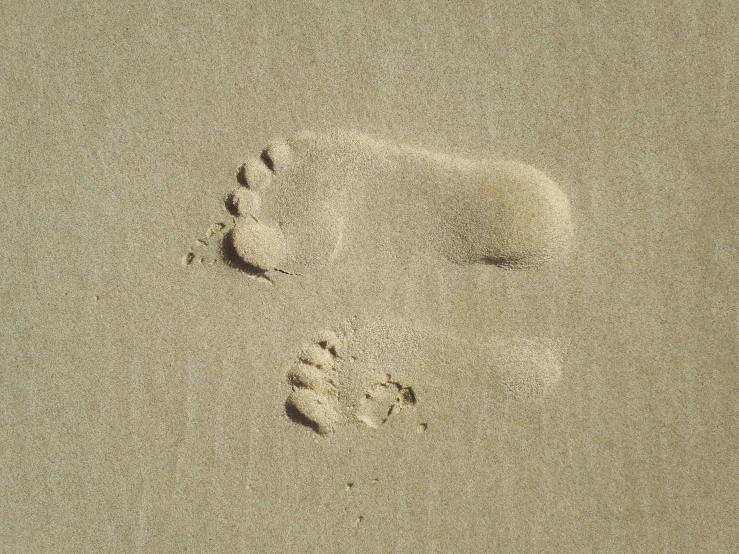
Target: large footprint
314,199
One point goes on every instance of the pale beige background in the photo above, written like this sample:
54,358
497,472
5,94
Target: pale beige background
136,412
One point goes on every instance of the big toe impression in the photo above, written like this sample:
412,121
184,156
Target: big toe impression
259,245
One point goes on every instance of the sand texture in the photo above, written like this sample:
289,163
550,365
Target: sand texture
351,277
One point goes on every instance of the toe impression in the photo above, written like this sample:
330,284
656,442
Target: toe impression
243,201
254,175
259,245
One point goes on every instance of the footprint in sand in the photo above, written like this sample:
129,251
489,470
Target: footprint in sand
335,380
315,202
368,372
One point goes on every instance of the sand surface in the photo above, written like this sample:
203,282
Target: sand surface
393,375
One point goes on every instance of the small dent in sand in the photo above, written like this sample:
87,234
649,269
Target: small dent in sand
383,400
277,155
254,175
318,356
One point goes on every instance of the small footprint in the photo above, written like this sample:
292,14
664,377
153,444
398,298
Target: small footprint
314,400
366,372
321,399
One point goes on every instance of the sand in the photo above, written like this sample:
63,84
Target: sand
426,277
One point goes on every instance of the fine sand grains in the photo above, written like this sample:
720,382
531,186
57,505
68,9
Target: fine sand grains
528,369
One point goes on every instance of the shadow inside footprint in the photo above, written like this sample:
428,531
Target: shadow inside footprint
511,261
267,160
297,417
231,206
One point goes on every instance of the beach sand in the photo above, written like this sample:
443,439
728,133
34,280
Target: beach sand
327,277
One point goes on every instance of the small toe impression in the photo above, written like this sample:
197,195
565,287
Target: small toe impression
333,342
317,356
306,376
258,245
277,156
254,175
243,201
